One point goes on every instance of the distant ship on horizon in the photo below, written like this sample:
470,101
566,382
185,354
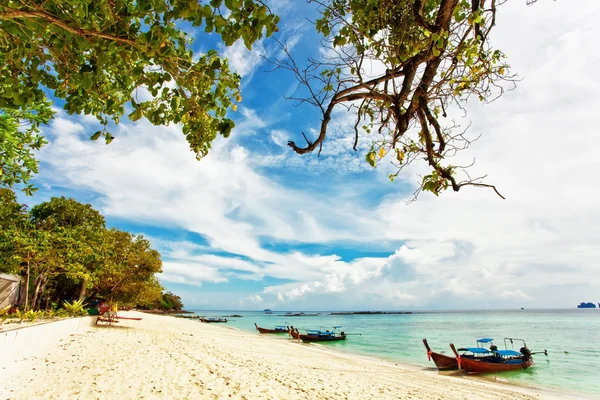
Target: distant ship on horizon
268,311
587,305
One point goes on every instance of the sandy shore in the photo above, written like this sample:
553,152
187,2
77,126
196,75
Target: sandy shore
171,358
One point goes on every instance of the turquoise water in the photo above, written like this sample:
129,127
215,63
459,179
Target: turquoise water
570,336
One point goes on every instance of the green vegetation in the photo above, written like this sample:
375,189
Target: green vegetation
433,55
95,54
169,302
74,308
65,254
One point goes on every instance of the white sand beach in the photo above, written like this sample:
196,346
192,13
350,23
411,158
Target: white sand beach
163,357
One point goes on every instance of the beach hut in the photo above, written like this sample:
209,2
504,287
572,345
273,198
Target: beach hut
10,288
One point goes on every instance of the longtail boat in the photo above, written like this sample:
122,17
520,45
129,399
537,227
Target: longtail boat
496,360
442,362
278,329
314,335
213,320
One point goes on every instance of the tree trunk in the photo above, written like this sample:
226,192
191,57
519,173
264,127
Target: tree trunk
27,288
44,282
36,293
82,290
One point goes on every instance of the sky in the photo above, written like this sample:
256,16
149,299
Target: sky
254,225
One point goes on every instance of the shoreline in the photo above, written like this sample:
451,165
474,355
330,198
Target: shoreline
180,358
431,369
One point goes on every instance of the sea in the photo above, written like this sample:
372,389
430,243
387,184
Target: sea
570,336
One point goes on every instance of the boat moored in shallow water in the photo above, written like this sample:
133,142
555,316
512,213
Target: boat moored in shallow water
313,335
213,320
278,329
496,360
444,362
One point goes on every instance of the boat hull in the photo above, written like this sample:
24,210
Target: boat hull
443,362
265,330
485,367
313,338
208,321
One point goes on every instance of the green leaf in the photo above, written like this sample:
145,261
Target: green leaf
339,41
136,115
371,158
96,135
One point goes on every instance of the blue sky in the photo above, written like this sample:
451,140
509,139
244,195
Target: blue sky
256,226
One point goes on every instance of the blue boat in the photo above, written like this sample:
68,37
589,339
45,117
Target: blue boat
268,311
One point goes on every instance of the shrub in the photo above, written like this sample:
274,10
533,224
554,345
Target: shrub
75,308
20,315
30,315
61,313
4,314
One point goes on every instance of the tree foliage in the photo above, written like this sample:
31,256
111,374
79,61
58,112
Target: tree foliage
400,65
128,266
95,54
169,302
13,225
66,253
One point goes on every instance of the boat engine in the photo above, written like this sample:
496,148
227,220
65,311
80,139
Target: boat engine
526,353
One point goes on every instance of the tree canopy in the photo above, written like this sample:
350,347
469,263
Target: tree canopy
95,54
400,65
65,252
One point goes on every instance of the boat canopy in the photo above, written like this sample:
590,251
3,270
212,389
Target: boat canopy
281,327
508,353
484,340
315,332
475,350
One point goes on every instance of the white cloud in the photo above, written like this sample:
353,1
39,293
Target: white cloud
251,301
190,273
467,249
280,137
242,60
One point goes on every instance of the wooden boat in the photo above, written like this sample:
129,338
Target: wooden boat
497,360
322,335
278,329
442,362
213,320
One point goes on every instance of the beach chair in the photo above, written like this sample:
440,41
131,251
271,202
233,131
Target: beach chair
107,314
